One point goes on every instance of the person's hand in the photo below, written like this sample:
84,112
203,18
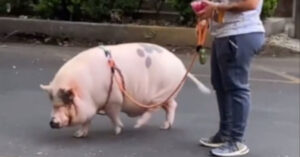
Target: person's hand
207,12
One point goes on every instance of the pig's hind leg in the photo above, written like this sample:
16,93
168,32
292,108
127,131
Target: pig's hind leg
170,109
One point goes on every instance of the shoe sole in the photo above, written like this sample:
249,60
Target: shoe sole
210,145
239,153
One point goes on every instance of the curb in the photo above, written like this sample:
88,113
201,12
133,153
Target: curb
117,33
281,45
279,51
179,36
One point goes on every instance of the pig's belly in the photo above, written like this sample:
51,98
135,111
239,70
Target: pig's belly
132,110
154,97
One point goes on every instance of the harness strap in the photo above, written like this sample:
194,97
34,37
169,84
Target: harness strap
108,55
109,89
111,65
106,52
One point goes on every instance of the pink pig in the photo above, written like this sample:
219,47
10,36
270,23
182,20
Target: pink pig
80,88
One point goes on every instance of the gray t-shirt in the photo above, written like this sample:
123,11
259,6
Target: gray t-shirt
238,23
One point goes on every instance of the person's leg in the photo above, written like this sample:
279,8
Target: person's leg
224,106
235,68
235,72
223,133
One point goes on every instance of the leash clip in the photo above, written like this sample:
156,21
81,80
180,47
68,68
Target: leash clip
110,61
106,52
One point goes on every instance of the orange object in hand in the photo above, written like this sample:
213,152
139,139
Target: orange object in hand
202,29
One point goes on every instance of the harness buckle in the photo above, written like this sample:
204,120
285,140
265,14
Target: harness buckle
111,63
106,52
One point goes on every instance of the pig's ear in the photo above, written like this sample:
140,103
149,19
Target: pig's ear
46,88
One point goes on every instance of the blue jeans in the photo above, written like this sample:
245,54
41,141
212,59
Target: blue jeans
230,68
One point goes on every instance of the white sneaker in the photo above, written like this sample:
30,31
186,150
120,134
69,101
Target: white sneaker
230,149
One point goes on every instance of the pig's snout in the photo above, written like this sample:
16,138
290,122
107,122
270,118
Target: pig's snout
54,125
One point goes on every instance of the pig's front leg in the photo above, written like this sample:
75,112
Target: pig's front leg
83,130
113,112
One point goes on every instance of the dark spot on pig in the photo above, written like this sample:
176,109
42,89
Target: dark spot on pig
67,96
140,53
148,62
147,48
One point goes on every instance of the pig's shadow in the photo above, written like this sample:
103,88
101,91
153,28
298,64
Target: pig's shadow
102,132
105,138
101,135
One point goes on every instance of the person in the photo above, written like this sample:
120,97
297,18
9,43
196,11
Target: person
237,40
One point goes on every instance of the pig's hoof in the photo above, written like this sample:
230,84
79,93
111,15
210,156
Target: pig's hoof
118,130
80,134
137,126
166,126
101,112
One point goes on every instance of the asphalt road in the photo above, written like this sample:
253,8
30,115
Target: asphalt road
273,129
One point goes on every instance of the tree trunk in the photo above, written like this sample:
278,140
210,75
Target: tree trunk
284,8
297,19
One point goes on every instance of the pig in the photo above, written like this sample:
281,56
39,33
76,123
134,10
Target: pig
80,88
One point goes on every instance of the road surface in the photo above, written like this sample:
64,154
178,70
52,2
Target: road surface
273,129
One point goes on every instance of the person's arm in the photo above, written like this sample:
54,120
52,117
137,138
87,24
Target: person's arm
241,6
